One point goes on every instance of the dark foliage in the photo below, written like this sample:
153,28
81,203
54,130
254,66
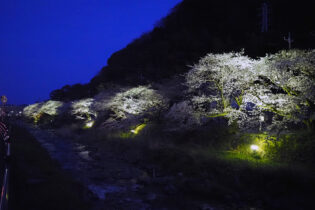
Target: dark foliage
67,92
195,28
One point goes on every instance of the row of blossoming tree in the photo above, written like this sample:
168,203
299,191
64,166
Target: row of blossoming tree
275,93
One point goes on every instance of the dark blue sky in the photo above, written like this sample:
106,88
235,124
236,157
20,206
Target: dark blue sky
46,44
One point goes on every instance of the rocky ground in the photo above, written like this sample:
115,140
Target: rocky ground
115,182
37,182
121,176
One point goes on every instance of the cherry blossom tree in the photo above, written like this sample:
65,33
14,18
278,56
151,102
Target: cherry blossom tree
271,93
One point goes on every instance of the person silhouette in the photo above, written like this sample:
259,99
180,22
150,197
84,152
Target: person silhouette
4,131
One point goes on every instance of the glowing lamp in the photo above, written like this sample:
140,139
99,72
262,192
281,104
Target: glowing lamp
138,128
254,147
89,124
261,118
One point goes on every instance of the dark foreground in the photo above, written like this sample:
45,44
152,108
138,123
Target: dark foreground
174,179
37,182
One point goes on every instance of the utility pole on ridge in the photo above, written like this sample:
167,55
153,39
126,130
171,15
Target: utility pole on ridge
289,40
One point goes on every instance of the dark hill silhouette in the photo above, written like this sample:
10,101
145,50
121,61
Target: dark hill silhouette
194,28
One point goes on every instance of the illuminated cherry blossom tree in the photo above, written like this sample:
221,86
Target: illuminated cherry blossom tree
271,93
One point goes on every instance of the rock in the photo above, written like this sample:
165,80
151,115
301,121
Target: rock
206,207
85,155
35,181
151,196
198,186
163,180
144,178
170,189
136,187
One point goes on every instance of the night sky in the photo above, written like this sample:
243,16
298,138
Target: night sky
46,44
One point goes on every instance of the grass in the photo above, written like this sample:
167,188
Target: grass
234,171
239,179
37,182
218,167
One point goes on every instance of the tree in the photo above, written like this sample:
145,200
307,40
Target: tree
277,91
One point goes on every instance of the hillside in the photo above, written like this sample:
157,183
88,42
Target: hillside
235,133
194,28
